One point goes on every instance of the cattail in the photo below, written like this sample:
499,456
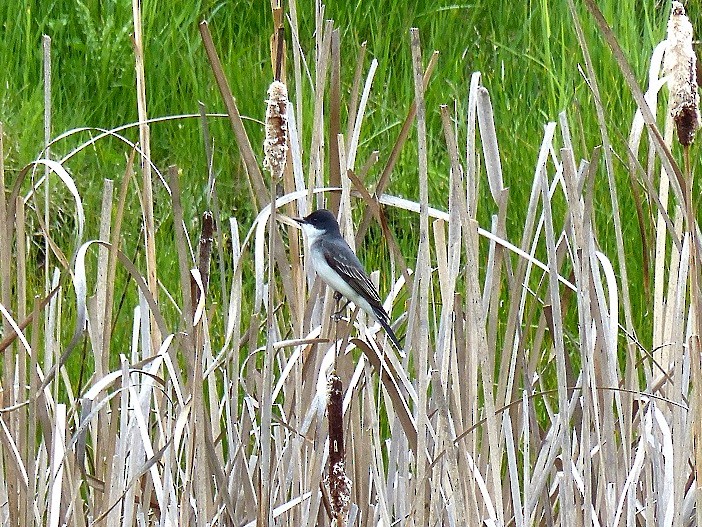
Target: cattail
275,146
205,255
680,65
338,484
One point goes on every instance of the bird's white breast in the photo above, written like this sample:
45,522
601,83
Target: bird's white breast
329,275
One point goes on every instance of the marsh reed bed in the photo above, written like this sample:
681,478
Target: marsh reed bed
524,395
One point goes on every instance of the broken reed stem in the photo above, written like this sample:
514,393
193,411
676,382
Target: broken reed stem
6,221
335,170
265,505
115,238
420,341
46,46
147,189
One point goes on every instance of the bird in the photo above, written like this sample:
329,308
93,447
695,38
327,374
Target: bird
339,267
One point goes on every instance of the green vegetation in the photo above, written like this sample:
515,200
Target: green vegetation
527,54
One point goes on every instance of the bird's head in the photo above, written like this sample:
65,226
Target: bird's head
318,223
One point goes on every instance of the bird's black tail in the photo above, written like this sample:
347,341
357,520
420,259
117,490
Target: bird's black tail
384,321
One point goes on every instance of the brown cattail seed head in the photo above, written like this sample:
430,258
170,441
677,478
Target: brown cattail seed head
275,145
680,65
338,484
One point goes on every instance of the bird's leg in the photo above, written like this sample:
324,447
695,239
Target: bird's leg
338,314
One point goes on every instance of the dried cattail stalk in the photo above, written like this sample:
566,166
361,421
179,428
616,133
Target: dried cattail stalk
275,146
338,484
680,65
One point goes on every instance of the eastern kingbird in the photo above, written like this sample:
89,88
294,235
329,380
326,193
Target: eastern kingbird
339,268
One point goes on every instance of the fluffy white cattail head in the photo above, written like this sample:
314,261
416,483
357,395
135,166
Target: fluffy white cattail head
680,65
275,145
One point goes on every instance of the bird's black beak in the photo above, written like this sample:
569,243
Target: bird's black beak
299,220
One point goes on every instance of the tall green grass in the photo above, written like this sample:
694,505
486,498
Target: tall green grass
527,53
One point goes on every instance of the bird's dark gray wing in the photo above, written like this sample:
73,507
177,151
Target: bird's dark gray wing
344,261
